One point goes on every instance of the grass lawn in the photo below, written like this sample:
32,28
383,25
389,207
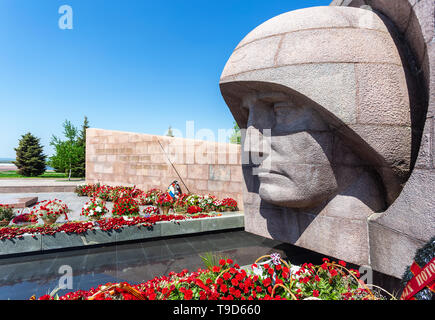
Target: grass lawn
47,175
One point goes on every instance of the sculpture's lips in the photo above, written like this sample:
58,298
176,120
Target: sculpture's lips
265,172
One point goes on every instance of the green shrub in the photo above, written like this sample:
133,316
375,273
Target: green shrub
6,213
30,159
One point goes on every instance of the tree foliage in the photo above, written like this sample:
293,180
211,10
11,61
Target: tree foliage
169,133
30,159
236,137
70,154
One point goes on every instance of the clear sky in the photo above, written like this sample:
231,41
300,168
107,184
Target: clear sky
128,65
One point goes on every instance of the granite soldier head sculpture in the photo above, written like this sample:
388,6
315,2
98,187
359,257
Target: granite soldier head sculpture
324,89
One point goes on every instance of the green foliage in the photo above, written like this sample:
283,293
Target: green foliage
169,133
6,213
11,174
209,259
236,137
70,154
30,159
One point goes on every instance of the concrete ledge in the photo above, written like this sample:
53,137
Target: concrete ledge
36,189
61,240
26,244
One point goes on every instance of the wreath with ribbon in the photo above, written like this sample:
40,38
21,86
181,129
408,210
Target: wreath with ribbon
419,278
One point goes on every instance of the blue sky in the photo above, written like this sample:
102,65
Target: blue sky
128,65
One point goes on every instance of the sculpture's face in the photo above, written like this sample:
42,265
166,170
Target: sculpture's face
295,170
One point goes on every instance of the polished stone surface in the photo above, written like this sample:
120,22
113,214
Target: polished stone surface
22,277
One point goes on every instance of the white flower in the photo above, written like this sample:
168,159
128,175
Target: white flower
91,212
258,271
98,209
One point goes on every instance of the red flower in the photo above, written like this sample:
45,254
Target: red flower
267,282
224,288
229,261
188,294
226,276
216,269
342,263
315,293
222,262
234,282
237,294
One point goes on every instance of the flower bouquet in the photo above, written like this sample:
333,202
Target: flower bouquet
50,210
94,209
180,205
151,196
193,200
151,210
105,193
25,219
229,204
6,214
194,209
217,206
206,203
87,190
125,207
165,202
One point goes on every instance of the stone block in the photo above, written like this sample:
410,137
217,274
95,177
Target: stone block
330,85
63,240
342,45
128,233
399,139
21,245
236,173
326,18
425,157
424,12
412,213
249,58
172,228
223,222
197,171
381,86
196,184
216,186
391,251
415,39
429,76
20,202
220,172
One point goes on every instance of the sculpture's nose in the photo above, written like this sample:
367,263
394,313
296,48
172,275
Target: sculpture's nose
257,144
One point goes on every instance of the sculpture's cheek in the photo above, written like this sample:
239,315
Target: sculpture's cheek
301,186
298,172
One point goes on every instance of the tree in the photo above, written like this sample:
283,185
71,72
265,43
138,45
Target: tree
30,159
169,133
81,167
236,137
69,154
